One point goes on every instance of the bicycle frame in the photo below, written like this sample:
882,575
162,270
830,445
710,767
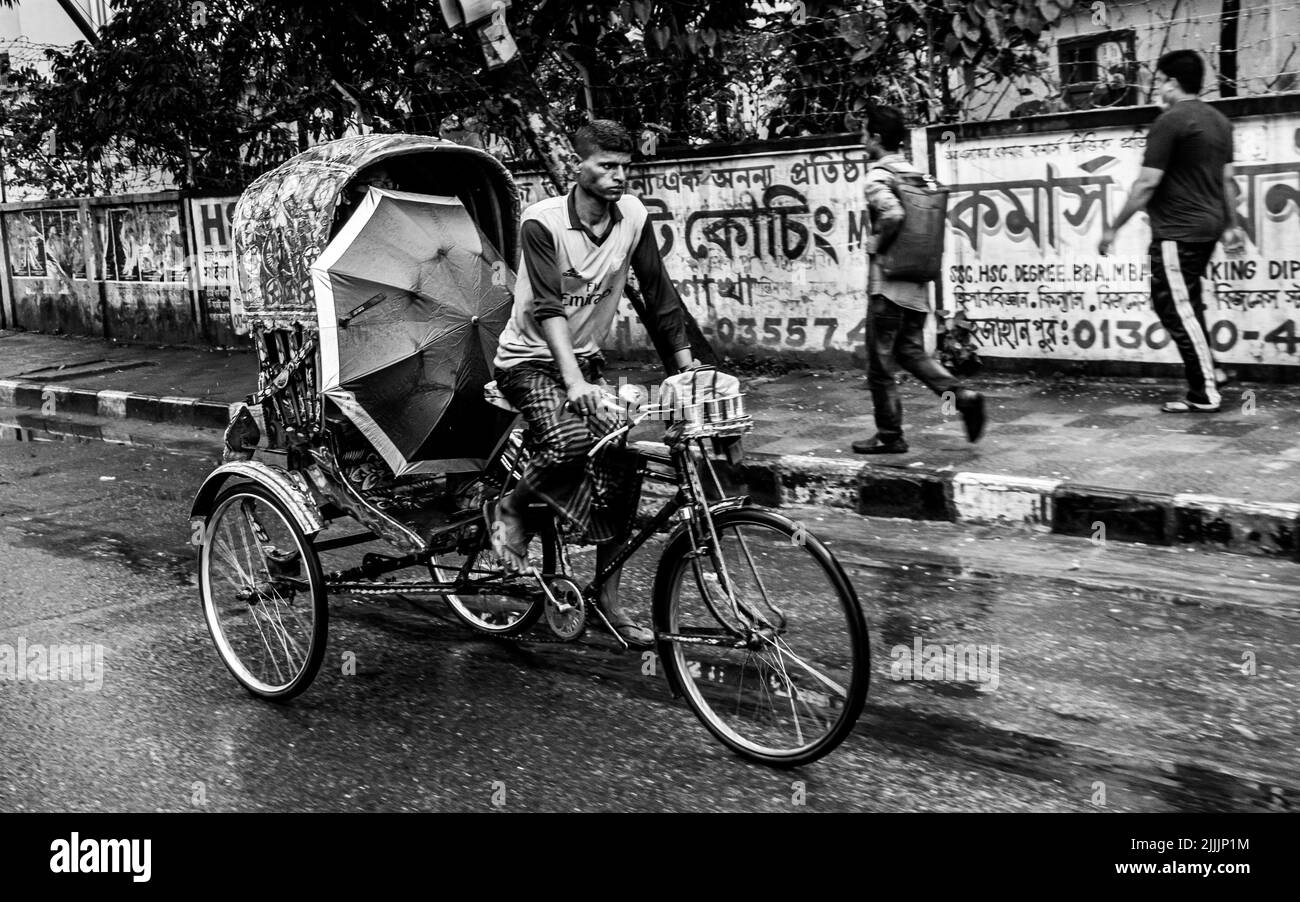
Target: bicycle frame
689,498
681,500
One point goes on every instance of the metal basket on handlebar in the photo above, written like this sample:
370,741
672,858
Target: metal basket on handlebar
703,402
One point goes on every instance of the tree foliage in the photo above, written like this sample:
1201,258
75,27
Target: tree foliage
847,55
214,93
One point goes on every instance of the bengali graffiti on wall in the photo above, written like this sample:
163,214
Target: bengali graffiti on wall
765,250
1025,217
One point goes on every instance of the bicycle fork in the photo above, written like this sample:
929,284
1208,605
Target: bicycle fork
741,613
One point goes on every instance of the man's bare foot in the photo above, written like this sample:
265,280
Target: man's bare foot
629,630
509,540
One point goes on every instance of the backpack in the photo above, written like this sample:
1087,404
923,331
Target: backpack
916,252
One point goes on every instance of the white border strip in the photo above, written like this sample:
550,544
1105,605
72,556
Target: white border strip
112,403
995,498
1282,509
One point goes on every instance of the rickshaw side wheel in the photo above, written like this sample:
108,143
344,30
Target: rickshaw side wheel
263,592
500,615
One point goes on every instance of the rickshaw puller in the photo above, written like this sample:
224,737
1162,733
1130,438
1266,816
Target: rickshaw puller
576,251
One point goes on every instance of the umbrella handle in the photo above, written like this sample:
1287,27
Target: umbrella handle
361,308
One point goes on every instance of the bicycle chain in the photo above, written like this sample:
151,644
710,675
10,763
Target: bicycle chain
542,638
394,589
382,590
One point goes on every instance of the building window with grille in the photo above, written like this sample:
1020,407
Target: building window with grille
1098,70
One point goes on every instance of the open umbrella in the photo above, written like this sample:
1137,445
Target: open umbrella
411,300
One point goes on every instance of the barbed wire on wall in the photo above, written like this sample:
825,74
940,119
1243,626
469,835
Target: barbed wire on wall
1267,51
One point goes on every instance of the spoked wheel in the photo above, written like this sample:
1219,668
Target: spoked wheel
778,667
501,615
263,593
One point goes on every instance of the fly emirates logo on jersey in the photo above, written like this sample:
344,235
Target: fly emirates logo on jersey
578,292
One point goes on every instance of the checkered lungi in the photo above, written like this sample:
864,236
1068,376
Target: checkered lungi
595,497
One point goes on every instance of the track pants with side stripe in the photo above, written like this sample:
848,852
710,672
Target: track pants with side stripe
1176,271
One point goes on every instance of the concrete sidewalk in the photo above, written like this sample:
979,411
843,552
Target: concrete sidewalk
1093,458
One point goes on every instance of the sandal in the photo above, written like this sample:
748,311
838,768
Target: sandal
635,635
513,554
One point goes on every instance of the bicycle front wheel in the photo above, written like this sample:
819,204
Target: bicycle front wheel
764,637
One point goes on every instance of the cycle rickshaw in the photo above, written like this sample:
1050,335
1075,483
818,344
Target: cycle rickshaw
375,318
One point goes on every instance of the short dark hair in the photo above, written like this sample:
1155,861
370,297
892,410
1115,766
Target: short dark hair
1185,67
887,121
601,134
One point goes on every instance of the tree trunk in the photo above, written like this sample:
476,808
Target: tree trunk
531,111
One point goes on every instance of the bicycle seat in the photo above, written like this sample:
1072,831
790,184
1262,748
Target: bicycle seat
493,396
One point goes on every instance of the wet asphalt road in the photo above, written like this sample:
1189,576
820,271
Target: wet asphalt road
1130,679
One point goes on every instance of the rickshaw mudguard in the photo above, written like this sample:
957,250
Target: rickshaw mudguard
290,489
677,535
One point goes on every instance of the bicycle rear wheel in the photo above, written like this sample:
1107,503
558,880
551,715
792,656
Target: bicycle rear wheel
500,615
780,675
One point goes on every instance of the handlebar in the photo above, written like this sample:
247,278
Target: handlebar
632,407
620,404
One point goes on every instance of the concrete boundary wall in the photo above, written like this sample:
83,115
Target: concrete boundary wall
153,268
114,267
1030,199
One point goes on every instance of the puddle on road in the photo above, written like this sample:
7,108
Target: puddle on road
22,434
79,369
967,599
1169,785
80,434
59,540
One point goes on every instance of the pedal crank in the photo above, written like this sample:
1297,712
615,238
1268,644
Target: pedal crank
566,611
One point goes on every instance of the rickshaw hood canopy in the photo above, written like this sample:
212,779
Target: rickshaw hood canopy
285,218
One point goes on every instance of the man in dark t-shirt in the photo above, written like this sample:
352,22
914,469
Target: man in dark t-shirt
1187,190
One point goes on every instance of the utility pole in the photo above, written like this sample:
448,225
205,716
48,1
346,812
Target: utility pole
6,283
78,17
4,90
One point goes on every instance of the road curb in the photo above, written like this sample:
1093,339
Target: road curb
53,399
1100,513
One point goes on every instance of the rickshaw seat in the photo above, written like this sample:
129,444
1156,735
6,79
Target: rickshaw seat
493,396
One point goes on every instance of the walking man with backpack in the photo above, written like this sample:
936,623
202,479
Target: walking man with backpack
903,261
